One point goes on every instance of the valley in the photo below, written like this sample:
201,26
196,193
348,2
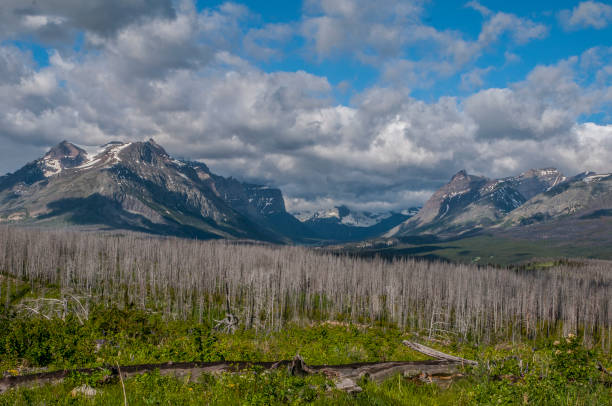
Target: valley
139,187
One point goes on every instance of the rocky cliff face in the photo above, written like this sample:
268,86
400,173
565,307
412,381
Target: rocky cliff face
139,186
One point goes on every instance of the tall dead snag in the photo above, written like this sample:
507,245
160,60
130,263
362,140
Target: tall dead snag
437,354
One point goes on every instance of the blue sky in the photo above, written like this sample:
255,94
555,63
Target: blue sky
370,104
558,43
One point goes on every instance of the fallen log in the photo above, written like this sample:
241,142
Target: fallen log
345,376
437,354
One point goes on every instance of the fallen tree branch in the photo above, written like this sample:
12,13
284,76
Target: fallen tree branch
227,325
437,354
345,376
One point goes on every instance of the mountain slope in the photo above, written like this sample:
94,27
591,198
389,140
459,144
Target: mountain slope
470,203
586,196
139,186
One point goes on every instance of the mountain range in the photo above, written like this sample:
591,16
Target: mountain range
139,186
470,204
343,224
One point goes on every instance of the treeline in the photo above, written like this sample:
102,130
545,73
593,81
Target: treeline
266,287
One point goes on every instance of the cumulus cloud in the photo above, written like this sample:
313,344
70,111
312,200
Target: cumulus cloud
474,78
358,25
267,42
521,30
56,20
188,82
394,31
587,14
546,104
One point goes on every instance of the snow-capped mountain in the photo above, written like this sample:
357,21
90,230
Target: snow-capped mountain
139,186
343,224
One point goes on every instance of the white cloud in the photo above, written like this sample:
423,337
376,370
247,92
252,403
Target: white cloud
587,14
395,35
55,20
521,30
185,82
267,42
478,7
546,104
474,78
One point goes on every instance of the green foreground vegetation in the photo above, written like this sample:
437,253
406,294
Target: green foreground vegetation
77,300
549,372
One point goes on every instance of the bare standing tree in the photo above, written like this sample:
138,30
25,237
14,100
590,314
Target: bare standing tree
268,286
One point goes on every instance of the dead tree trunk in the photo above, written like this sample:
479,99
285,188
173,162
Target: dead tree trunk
345,376
437,354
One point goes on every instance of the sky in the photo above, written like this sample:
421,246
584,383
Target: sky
370,104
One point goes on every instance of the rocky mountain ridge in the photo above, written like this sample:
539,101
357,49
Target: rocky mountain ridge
139,186
470,203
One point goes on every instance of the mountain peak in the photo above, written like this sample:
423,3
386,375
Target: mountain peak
64,150
63,155
138,186
460,175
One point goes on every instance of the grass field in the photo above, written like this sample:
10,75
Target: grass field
491,249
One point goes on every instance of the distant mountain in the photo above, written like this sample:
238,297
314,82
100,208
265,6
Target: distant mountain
470,203
585,196
138,186
342,224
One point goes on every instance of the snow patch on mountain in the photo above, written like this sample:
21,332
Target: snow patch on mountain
51,167
595,178
343,215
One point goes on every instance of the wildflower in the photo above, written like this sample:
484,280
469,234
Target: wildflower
569,351
556,342
13,372
190,388
557,352
570,335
